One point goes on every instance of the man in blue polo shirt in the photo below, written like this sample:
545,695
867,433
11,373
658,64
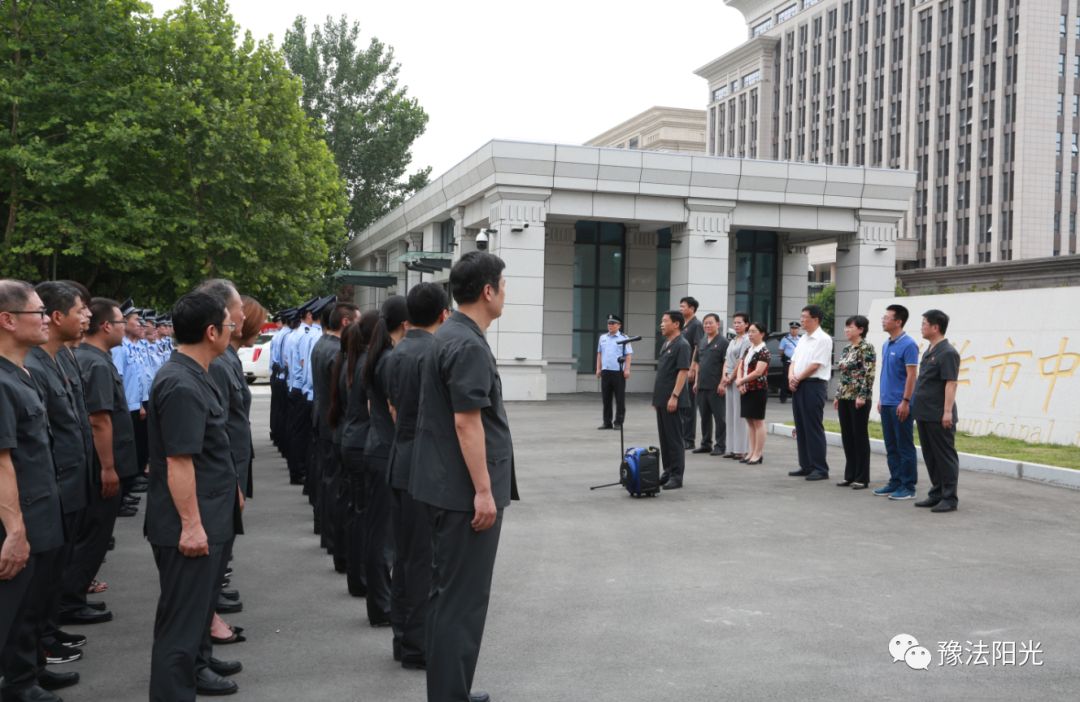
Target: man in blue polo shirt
899,363
613,368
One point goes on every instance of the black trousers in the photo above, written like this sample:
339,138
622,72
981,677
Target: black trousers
90,545
142,445
462,564
184,610
613,386
669,425
712,408
352,473
942,464
378,538
299,433
808,408
19,657
411,580
324,447
206,645
12,597
337,509
72,524
688,416
313,478
854,430
279,415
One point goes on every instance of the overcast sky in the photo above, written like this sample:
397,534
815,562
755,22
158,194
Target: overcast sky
557,71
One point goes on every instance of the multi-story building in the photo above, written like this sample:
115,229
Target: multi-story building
980,97
668,129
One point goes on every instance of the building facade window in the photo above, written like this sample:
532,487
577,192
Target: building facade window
599,256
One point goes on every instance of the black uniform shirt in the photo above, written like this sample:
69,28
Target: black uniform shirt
24,430
381,435
693,331
104,392
354,431
227,372
70,366
459,374
188,417
403,373
324,352
710,358
674,357
939,365
68,441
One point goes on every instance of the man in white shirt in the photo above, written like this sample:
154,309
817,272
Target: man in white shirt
808,379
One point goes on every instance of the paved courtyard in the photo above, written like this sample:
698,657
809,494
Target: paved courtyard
747,584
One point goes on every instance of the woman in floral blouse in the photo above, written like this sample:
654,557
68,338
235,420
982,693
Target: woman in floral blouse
853,395
753,382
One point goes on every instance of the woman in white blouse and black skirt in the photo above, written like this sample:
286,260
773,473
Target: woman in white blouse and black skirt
753,384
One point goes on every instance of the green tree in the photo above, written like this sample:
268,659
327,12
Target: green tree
370,121
141,154
826,300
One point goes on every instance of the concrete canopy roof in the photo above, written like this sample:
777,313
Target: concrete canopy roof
643,175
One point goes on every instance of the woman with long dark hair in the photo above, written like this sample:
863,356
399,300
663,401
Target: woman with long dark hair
378,498
349,418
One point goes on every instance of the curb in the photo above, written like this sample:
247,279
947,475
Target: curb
1033,472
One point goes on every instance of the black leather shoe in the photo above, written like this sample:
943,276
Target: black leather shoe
414,664
70,640
617,425
943,507
702,449
799,472
717,452
844,483
665,477
604,426
34,693
927,503
479,697
57,653
85,615
817,476
233,595
207,682
127,511
674,484
233,638
225,667
99,605
57,681
228,606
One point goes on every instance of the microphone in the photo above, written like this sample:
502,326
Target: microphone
629,340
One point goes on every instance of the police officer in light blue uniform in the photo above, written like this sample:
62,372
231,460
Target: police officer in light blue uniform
278,393
130,359
299,420
613,368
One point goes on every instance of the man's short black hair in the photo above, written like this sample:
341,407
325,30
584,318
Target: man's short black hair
690,302
714,316
341,311
676,317
815,312
900,312
426,302
938,319
475,270
56,296
193,313
101,311
84,292
859,321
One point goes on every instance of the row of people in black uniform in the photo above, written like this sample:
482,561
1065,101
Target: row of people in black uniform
410,459
67,444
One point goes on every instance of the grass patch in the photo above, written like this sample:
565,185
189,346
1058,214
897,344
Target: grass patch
997,446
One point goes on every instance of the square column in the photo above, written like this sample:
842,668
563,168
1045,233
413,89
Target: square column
560,369
865,268
517,338
640,306
794,264
699,262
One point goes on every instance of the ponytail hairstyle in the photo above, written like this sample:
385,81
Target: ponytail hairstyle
354,341
394,313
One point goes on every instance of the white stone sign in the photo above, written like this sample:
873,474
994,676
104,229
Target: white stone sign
1020,359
